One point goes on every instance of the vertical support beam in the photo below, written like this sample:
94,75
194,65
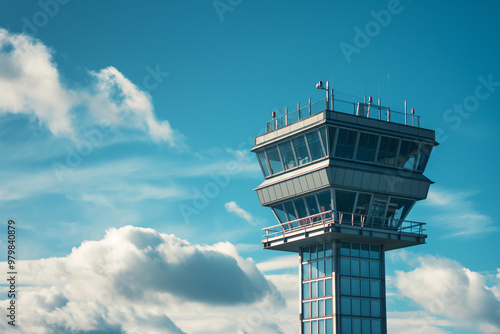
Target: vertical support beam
406,115
286,116
309,106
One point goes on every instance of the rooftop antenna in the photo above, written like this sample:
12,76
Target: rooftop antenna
388,91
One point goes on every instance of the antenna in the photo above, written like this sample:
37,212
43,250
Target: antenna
388,91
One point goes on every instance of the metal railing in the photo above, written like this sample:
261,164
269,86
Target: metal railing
287,116
332,217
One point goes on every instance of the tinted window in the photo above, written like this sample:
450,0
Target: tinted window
299,144
388,150
314,145
278,210
407,154
274,159
345,201
367,147
425,152
331,136
262,159
345,143
287,155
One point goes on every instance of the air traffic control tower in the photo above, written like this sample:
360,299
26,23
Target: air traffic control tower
341,177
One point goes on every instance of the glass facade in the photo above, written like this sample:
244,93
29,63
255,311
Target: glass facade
358,207
360,299
343,143
317,288
362,303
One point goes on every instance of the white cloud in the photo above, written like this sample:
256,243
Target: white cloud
30,84
138,280
458,214
232,207
444,288
280,262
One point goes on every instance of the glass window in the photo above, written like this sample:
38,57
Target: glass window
329,325
423,157
345,248
374,270
306,327
280,214
375,289
346,325
290,211
356,325
321,268
328,287
331,135
314,253
365,307
306,310
329,308
375,308
322,133
355,249
407,154
354,267
305,271
274,159
321,326
314,145
397,210
306,291
376,327
321,308
346,142
299,144
363,204
314,327
345,201
367,147
314,289
345,267
356,307
314,309
356,287
321,288
388,151
365,288
324,201
301,207
345,286
328,267
314,270
365,251
262,159
328,249
321,251
345,306
365,268
365,323
287,155
305,254
312,205
375,252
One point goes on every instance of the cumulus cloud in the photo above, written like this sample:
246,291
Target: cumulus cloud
232,207
137,280
30,84
444,288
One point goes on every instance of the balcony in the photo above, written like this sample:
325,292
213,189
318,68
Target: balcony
393,233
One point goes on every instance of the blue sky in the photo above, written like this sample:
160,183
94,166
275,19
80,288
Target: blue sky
125,131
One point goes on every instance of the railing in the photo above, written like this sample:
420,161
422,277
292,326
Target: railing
287,116
331,217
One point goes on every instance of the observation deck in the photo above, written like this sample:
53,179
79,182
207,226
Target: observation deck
334,225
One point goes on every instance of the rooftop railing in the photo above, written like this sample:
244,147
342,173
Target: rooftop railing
287,116
329,218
